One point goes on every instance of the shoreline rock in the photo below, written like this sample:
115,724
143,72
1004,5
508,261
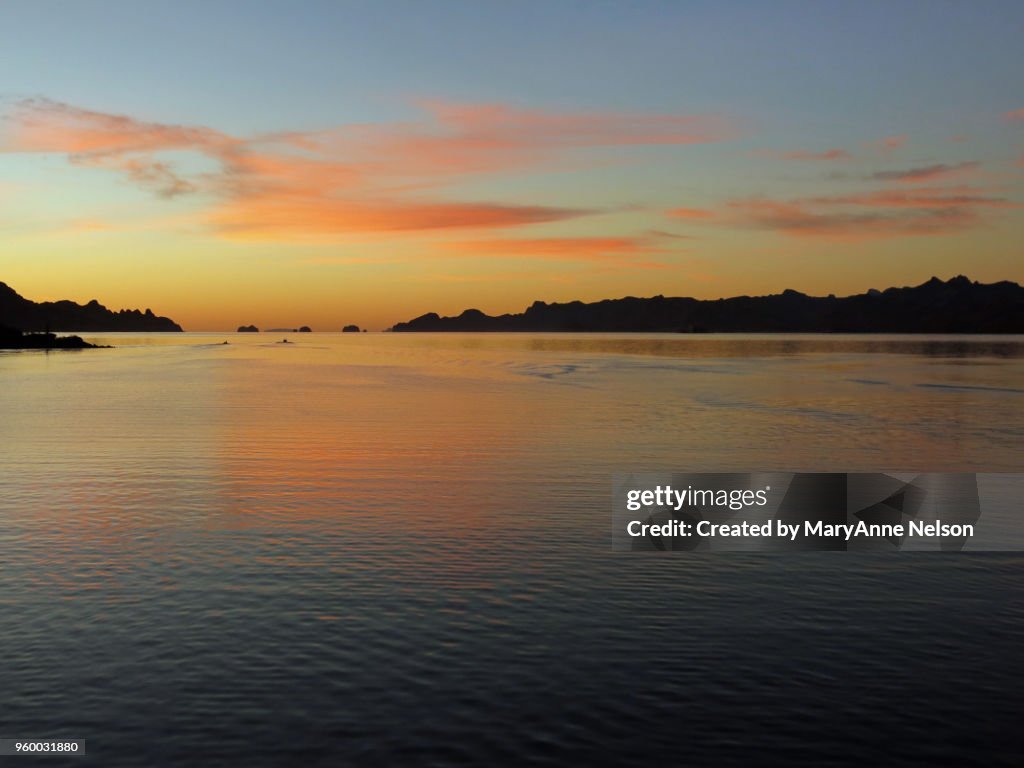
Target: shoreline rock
11,338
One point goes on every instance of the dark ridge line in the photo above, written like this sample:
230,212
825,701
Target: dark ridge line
955,306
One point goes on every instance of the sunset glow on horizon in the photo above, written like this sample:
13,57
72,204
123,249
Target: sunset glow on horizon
337,163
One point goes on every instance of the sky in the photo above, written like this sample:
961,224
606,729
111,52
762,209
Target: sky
326,163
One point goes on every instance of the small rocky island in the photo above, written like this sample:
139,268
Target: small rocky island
248,329
350,329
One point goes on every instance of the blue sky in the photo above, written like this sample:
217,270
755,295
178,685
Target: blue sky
793,81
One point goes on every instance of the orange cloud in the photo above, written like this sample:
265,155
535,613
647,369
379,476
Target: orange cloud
690,213
1015,115
354,179
282,217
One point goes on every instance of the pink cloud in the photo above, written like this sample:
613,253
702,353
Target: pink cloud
42,125
462,139
1015,115
113,142
877,214
353,179
502,125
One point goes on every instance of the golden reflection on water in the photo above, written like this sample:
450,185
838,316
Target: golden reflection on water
429,434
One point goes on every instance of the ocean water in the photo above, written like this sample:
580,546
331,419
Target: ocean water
390,549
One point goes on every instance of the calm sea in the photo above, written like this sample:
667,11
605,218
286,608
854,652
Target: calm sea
388,549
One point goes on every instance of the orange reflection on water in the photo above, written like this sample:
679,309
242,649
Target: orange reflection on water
119,459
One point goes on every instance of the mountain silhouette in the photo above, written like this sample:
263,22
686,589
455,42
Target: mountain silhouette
19,312
955,306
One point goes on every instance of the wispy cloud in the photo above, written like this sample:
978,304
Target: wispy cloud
801,154
690,213
489,277
875,214
81,226
474,138
43,125
1014,115
303,216
661,233
360,179
888,143
919,197
937,172
623,251
114,142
